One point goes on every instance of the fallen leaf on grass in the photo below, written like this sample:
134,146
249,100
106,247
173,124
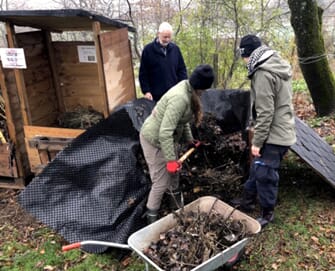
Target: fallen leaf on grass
48,268
315,239
126,261
275,266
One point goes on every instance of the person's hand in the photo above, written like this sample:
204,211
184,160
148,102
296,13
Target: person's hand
194,143
173,166
148,96
255,151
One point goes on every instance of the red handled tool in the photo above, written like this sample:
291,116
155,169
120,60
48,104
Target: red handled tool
189,152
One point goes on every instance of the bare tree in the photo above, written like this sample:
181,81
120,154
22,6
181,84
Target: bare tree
4,4
135,41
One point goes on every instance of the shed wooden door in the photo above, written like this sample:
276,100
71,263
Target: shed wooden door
118,67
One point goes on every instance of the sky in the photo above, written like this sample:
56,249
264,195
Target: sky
35,4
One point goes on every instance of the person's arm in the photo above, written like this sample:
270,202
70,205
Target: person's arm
173,113
181,71
187,133
264,106
143,76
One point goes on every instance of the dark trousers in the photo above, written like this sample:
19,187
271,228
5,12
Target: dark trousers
264,178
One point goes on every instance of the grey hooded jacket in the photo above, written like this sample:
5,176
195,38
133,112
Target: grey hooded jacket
271,102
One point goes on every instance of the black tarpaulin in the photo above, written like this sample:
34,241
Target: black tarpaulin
95,188
315,151
230,107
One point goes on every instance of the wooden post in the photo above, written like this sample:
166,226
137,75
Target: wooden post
96,28
132,65
9,116
20,84
22,95
55,78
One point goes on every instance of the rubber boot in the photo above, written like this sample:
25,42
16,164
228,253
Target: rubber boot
267,217
175,200
246,203
151,215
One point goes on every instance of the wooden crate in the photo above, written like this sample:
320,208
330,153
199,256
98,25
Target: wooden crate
43,144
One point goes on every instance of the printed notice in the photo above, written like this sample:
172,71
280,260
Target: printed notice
13,58
87,54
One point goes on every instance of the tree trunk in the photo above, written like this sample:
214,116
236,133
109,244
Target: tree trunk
306,20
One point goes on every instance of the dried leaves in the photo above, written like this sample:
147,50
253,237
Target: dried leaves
196,237
80,118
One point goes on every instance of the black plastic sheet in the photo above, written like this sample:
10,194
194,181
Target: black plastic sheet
230,107
95,189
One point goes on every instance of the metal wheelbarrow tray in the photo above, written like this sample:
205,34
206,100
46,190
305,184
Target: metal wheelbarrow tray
142,238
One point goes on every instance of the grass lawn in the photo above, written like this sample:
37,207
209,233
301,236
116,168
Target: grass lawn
302,236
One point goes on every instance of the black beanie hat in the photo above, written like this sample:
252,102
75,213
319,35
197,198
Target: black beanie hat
202,77
248,44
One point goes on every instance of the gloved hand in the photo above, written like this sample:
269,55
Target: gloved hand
194,143
173,166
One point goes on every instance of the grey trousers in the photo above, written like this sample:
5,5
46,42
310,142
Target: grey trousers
162,180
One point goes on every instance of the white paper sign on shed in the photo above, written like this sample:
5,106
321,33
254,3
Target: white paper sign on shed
13,58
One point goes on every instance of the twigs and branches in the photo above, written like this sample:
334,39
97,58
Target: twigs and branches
196,237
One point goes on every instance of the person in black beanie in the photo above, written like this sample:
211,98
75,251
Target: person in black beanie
272,123
170,123
202,77
248,44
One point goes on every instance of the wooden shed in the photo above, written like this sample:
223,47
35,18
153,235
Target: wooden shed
60,76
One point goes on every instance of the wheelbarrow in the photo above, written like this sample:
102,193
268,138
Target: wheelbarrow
143,238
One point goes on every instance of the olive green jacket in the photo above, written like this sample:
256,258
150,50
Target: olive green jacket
169,121
271,99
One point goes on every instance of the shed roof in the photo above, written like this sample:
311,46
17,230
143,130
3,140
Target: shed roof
60,20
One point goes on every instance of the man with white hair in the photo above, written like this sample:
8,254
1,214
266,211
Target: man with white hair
162,65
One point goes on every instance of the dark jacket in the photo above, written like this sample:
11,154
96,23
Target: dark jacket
159,72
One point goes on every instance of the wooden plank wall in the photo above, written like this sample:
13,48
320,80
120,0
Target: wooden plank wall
78,81
15,122
118,67
41,94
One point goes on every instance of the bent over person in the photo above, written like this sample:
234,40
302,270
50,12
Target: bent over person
272,115
168,124
162,65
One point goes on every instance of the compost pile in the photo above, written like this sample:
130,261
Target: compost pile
197,237
218,167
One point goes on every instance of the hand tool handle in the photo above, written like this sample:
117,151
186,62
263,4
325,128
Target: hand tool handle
186,154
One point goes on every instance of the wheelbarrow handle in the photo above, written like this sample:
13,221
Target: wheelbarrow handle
94,242
71,246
